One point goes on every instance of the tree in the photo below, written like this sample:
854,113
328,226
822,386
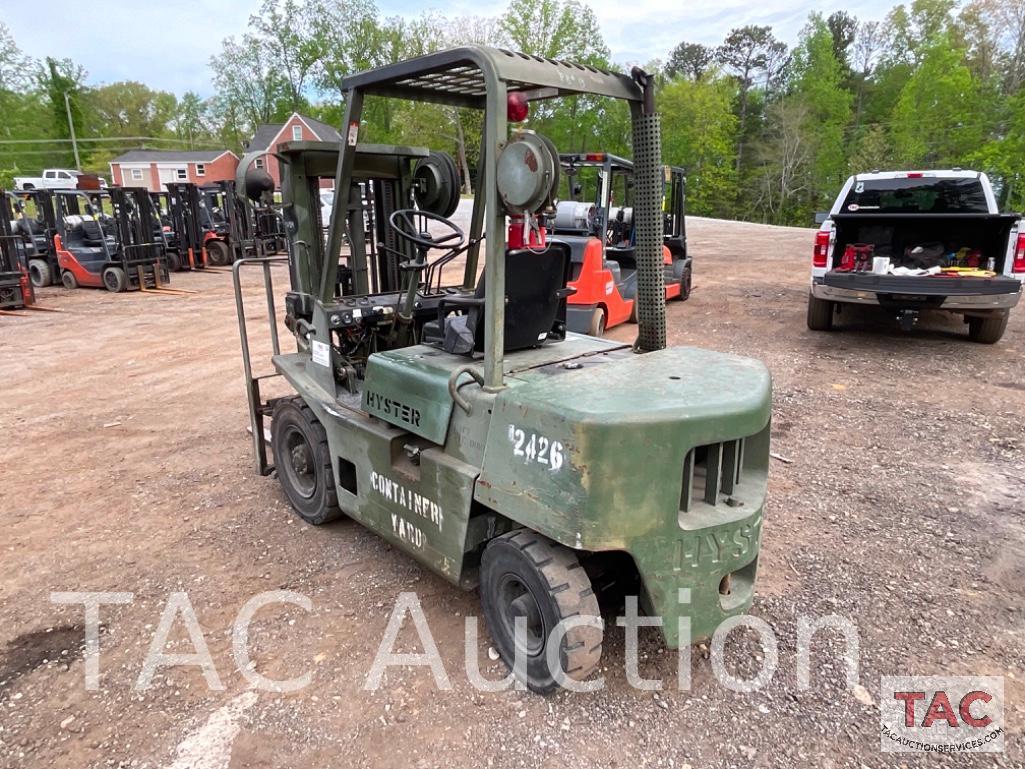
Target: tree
188,120
818,84
15,66
555,29
782,164
62,79
247,81
747,53
844,29
289,33
351,38
689,60
698,133
938,119
129,108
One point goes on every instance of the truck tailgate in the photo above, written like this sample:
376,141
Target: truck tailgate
928,285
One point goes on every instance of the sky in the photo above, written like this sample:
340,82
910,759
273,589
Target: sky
167,44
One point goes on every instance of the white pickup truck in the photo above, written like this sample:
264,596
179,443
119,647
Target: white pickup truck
916,240
52,179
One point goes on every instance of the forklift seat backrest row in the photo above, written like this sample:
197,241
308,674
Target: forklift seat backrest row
534,289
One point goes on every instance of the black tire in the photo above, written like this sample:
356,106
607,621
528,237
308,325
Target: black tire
68,279
115,280
174,261
525,574
598,322
820,314
988,330
685,283
28,186
218,253
39,272
303,461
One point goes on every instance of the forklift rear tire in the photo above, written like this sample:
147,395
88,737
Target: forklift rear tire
115,280
988,330
174,262
820,314
598,321
68,279
303,462
39,272
217,251
524,574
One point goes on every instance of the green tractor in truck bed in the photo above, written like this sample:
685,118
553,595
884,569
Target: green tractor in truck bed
463,423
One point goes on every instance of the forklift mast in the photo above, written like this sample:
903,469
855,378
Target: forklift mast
137,227
185,208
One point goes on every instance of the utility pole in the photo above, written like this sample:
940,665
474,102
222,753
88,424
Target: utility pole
71,128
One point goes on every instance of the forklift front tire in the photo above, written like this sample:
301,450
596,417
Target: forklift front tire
115,280
217,250
820,314
524,574
174,262
303,461
39,272
598,322
685,284
68,279
988,330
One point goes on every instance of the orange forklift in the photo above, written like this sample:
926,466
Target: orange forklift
596,221
120,251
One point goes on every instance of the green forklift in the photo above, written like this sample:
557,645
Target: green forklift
464,424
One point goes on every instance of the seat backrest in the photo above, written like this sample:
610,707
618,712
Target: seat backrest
533,282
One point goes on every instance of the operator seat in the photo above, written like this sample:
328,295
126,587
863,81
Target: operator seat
535,297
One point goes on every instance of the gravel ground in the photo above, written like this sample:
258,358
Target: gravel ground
127,467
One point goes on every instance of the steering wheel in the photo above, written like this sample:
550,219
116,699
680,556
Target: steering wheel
410,224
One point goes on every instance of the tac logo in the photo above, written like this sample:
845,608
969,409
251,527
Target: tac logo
942,714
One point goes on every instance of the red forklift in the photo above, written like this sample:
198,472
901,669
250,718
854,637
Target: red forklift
189,228
15,286
119,251
599,229
243,226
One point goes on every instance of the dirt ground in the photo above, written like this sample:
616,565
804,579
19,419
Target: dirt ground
127,467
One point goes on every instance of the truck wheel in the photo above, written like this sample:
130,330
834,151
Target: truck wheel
28,186
820,314
685,284
988,330
218,252
40,273
115,280
526,575
303,462
597,327
68,279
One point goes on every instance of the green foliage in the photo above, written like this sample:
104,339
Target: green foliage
699,134
765,131
939,117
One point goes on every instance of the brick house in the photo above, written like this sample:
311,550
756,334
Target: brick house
154,168
270,136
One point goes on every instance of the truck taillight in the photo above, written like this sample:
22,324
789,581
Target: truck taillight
821,252
1019,254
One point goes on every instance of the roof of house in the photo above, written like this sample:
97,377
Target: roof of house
157,156
266,133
